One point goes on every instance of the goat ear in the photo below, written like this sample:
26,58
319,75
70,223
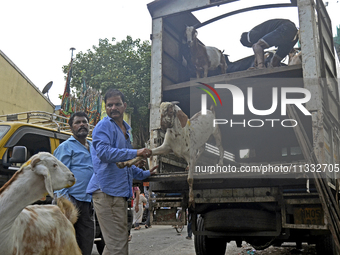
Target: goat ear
43,170
35,159
183,118
174,102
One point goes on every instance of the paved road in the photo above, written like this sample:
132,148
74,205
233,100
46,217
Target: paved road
159,240
165,241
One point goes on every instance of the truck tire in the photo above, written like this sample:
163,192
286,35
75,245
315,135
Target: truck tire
246,219
208,246
325,245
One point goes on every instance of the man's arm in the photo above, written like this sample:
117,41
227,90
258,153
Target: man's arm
143,199
140,174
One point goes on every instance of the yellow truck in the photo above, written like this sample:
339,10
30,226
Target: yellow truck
29,132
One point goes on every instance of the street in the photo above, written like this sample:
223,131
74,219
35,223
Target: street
165,240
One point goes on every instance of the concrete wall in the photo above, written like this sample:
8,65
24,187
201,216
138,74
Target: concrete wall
17,92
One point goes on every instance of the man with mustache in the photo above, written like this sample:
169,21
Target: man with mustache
75,154
111,186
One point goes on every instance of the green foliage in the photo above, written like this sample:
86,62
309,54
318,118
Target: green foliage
337,41
124,65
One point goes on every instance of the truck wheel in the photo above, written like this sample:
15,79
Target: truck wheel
208,246
325,245
247,220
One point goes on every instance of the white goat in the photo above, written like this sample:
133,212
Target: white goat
37,229
204,57
185,137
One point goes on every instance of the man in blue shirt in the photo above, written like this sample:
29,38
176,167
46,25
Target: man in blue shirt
75,154
110,185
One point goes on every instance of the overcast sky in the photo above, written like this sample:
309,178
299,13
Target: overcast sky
37,35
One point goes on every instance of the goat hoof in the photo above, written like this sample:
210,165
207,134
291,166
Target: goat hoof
120,164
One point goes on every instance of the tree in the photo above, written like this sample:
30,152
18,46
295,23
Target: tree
337,41
124,65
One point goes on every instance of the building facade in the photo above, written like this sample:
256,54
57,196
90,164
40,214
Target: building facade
18,93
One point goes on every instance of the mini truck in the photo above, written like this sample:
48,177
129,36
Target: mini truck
33,131
279,181
24,134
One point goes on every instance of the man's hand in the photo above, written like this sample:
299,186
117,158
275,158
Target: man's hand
141,164
153,170
144,153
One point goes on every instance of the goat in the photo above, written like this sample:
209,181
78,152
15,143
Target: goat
294,57
37,229
204,57
239,65
185,137
247,63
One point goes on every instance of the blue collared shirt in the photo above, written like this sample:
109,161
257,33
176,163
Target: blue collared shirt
109,146
78,159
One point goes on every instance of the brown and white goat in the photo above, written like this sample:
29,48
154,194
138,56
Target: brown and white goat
204,57
37,229
185,137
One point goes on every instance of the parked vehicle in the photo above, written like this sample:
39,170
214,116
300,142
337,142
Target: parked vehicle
36,131
24,134
299,205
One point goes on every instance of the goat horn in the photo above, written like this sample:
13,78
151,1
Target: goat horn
35,160
174,102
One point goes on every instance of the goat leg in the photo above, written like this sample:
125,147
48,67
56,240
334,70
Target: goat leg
163,149
198,74
206,69
218,139
129,163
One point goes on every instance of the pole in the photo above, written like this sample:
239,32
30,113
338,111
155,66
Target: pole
72,49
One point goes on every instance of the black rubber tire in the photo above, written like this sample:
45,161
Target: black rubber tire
325,245
208,246
247,220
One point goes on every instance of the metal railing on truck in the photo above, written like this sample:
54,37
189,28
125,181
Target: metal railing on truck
41,118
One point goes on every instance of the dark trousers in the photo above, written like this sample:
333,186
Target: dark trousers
147,222
84,226
130,219
189,229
